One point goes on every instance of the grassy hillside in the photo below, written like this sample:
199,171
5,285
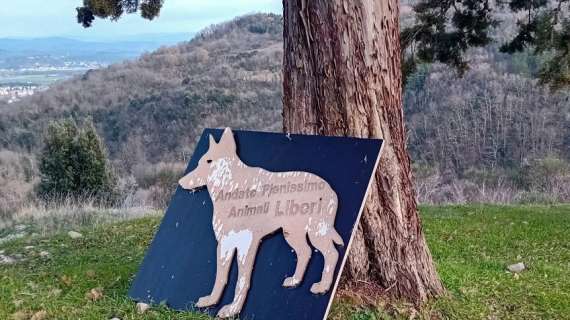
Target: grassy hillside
472,246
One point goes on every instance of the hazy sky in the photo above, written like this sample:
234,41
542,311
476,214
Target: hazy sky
43,18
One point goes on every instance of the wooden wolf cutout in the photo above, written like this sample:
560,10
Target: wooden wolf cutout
251,203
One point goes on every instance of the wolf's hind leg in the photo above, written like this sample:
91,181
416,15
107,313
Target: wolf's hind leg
325,245
298,241
223,264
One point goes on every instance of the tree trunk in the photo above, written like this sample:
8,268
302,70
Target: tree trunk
341,76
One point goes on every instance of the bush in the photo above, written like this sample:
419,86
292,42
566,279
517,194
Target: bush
73,163
17,177
545,174
160,179
532,197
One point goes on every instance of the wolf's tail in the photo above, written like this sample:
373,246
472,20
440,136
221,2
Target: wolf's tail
336,238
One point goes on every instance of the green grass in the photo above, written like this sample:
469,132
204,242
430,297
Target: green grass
472,246
106,257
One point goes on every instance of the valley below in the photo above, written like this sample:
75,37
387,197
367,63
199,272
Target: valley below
28,66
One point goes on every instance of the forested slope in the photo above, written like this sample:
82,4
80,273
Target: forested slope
155,107
494,126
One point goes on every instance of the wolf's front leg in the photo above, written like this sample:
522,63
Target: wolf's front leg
245,266
223,264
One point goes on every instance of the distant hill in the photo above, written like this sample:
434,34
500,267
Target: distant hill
153,108
60,45
23,52
41,62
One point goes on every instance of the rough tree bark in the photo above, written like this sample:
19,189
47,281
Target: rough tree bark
341,76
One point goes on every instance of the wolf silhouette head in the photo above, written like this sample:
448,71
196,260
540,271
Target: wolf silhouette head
210,163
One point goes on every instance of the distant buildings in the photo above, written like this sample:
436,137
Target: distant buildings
13,94
44,71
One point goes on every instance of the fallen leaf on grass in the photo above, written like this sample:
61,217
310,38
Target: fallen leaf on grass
40,315
94,294
66,280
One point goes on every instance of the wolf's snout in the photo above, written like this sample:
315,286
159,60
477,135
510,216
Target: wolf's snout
183,182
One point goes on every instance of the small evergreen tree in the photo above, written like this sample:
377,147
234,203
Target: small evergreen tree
73,163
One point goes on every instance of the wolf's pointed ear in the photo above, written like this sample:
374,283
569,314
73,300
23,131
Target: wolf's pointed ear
212,141
227,142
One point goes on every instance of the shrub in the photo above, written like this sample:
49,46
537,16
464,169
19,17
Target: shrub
545,174
74,163
160,179
16,180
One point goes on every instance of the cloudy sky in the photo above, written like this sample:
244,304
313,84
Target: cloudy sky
41,18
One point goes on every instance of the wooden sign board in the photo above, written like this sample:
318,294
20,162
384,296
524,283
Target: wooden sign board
260,225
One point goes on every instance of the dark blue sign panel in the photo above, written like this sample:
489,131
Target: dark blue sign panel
181,264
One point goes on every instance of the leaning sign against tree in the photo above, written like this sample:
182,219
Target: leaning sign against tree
239,233
342,76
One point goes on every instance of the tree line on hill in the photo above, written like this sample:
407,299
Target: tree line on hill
494,127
